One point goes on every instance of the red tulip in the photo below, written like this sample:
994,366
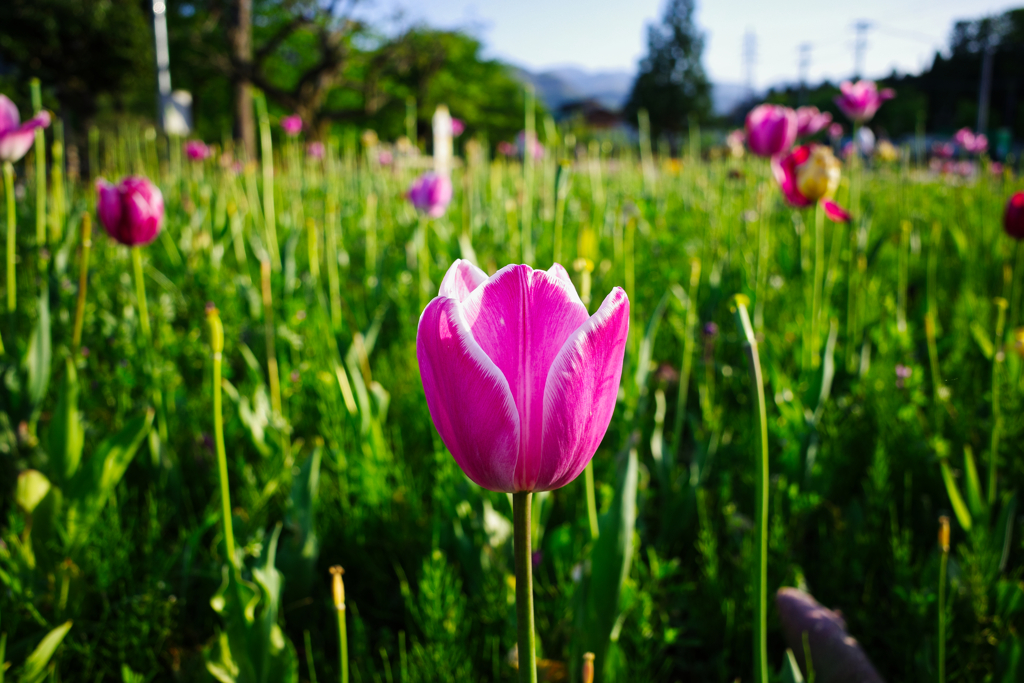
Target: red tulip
771,129
1013,219
15,139
131,211
810,174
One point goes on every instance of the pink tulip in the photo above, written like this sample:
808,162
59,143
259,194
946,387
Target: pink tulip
835,655
771,129
520,381
431,193
943,150
292,125
458,127
386,157
531,146
197,150
859,101
809,121
835,131
15,139
131,211
316,150
808,175
506,149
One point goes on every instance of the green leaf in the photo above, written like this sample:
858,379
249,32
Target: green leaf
974,498
962,514
34,669
66,434
790,669
32,487
37,358
89,489
610,561
1003,533
984,343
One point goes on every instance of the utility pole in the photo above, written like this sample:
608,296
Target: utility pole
163,59
805,67
860,47
749,58
985,93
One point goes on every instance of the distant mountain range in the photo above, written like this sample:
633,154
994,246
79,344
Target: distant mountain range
561,85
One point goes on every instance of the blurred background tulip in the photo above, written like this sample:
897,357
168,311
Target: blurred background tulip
810,120
15,137
431,194
292,125
860,101
132,211
771,129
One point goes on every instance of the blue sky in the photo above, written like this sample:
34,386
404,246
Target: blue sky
610,34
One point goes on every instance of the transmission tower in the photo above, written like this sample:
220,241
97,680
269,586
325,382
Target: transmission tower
804,67
860,46
749,58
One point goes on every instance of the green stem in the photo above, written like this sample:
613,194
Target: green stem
997,414
852,320
1018,284
217,343
12,227
588,478
140,294
343,643
267,150
819,277
524,587
83,281
529,141
761,502
763,236
942,616
686,365
40,157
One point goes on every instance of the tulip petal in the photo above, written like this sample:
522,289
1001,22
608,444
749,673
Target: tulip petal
9,118
108,208
468,397
581,390
521,318
836,213
461,279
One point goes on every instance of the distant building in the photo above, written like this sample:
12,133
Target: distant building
591,113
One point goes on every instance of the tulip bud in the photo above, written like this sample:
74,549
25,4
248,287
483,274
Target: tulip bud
588,667
338,587
132,211
1013,219
944,533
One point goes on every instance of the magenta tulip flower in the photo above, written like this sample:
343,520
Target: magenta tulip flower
835,131
811,174
835,655
458,127
809,120
131,211
292,125
859,101
316,150
520,381
431,193
771,129
506,149
1013,219
15,137
196,150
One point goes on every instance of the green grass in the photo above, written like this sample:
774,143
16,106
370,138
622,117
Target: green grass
855,488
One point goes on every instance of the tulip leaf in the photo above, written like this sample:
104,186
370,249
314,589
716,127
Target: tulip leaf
982,338
790,669
962,514
37,357
975,501
66,434
34,669
610,558
89,489
1003,534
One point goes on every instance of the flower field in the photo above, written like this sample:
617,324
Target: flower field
227,437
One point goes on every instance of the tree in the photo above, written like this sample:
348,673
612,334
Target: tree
672,85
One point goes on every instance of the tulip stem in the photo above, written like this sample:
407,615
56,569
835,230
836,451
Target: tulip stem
521,502
997,413
217,345
140,294
819,276
83,281
588,477
12,227
761,500
1018,283
942,614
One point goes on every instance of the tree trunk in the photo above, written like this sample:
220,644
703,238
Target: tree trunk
240,37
